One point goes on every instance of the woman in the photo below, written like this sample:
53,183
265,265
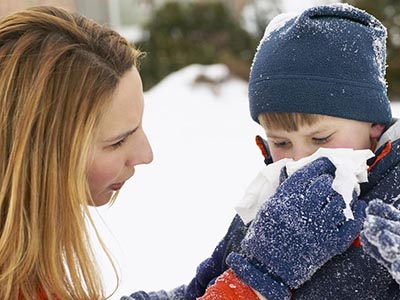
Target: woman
71,106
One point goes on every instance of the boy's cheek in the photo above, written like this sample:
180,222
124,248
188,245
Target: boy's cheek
278,154
355,143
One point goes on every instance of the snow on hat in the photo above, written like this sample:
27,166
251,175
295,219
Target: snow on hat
328,60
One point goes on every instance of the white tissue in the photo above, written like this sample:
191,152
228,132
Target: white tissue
351,170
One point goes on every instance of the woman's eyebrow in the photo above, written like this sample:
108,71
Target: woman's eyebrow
121,136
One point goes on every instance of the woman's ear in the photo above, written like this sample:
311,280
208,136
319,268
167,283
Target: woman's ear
376,130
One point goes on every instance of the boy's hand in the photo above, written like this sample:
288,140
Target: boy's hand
381,235
296,232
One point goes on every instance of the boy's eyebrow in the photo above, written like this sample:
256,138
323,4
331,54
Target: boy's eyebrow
325,128
121,136
273,136
317,131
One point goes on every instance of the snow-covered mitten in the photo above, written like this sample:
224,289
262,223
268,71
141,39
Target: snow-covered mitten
296,231
141,295
381,235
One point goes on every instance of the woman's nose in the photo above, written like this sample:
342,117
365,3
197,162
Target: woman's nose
141,152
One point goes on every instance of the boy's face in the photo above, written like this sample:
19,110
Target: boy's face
327,132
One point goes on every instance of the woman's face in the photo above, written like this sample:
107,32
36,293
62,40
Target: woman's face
121,144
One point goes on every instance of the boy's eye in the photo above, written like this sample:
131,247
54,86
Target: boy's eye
281,144
322,140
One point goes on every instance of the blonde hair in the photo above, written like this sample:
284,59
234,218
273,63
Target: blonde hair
287,121
58,71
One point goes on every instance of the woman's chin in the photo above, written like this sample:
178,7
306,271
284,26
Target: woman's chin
102,199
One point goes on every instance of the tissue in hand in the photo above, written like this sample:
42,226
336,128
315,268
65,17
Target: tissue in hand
351,170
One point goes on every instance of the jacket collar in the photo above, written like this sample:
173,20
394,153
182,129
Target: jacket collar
391,133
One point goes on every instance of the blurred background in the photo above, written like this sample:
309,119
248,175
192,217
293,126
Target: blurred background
182,32
172,214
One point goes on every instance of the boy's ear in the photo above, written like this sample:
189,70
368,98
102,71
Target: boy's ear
376,130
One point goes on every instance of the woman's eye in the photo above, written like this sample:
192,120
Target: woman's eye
118,144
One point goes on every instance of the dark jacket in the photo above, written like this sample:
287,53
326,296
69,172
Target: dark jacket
352,275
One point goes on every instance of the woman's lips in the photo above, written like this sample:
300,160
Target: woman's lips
117,186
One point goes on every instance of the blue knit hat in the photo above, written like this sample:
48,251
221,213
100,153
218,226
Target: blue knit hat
329,60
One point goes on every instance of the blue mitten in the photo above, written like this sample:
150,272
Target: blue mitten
381,235
140,295
296,231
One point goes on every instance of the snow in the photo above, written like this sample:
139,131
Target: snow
298,6
173,212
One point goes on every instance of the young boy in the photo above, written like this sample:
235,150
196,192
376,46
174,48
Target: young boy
317,81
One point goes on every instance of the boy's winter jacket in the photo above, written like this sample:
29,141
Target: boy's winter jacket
351,275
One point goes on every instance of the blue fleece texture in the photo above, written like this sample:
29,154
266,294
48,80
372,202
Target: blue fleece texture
329,60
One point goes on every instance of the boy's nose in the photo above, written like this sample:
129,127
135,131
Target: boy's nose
302,152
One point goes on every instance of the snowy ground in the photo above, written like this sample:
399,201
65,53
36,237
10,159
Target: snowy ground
170,216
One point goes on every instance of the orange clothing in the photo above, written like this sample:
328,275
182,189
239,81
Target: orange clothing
229,287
